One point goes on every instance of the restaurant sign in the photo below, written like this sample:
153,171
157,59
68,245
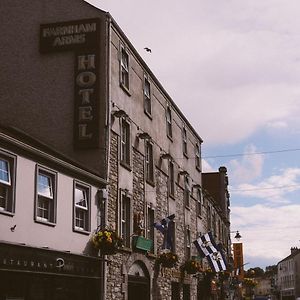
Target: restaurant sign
81,37
22,258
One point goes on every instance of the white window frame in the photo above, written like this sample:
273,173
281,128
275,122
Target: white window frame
7,187
125,142
147,96
124,68
84,210
125,224
46,202
169,122
149,162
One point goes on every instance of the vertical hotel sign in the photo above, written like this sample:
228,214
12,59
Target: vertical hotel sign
82,38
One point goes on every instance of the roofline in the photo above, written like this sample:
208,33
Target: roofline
115,24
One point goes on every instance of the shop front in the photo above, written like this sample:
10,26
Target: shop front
40,274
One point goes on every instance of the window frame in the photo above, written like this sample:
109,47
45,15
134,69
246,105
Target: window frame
188,248
150,232
125,145
86,229
184,142
124,223
149,162
198,156
199,198
147,97
171,179
41,199
187,192
169,122
9,187
124,68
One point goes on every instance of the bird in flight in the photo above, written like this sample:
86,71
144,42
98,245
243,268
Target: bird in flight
148,49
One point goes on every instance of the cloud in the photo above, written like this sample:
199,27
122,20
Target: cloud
247,169
231,70
274,190
267,233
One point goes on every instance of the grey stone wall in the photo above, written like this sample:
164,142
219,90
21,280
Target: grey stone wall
118,265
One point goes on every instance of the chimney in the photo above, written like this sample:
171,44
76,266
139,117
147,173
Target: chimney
294,249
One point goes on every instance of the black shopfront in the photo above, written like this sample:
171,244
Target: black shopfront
28,273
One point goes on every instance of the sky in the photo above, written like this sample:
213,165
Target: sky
233,69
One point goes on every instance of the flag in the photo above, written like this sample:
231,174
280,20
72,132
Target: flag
216,261
167,226
206,244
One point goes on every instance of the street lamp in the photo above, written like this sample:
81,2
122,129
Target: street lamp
237,235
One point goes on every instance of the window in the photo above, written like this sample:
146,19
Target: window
188,244
125,219
124,69
184,141
208,217
7,177
125,142
199,202
45,196
187,191
171,179
82,196
198,157
147,97
150,227
169,122
149,162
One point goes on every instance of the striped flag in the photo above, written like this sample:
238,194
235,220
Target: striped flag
206,245
217,261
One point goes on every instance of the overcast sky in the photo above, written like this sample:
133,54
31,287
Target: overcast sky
233,68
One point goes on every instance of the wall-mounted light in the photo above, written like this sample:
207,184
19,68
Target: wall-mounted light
119,113
166,156
183,173
196,186
144,136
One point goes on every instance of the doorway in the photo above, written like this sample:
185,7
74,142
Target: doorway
138,282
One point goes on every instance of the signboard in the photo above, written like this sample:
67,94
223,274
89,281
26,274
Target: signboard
70,36
238,260
81,37
22,258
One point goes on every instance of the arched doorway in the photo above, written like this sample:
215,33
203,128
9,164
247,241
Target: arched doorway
138,282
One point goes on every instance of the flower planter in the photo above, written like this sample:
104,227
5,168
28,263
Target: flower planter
167,260
192,267
107,241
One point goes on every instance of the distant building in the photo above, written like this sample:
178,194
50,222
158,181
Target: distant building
288,278
90,139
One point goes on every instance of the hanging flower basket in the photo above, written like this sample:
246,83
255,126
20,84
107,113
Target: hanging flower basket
192,266
107,241
167,259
